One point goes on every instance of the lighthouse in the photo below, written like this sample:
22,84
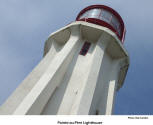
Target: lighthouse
84,65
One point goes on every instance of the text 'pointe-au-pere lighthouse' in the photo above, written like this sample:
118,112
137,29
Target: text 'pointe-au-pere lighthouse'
84,65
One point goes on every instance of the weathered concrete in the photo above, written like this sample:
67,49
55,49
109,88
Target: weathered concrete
67,83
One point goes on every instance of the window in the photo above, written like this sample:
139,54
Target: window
85,48
106,16
115,23
84,15
94,13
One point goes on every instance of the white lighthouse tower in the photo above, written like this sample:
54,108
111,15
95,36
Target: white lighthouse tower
84,64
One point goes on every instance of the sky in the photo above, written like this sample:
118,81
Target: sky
26,24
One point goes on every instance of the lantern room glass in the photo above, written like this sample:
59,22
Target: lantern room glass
105,16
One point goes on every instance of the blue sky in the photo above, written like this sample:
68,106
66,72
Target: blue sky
26,24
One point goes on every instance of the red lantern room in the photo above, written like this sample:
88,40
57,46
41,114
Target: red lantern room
104,16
